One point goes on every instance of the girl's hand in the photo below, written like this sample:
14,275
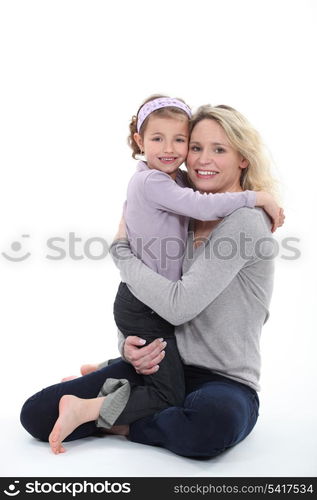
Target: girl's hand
281,218
267,202
122,232
144,359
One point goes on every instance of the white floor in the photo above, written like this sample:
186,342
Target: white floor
280,445
283,443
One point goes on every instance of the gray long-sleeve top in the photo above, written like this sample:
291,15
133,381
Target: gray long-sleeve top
221,302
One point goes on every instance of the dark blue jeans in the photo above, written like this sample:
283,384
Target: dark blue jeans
217,412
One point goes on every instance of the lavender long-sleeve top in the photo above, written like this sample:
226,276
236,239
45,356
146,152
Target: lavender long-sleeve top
157,213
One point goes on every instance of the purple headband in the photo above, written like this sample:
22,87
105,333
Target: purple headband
160,102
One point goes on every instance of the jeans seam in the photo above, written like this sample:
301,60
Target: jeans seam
195,396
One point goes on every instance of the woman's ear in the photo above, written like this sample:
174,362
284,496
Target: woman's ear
138,139
243,162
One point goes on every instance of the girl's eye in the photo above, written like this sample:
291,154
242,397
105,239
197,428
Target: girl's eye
156,139
180,139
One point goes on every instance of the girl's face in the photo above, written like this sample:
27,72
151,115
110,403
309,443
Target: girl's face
165,143
213,165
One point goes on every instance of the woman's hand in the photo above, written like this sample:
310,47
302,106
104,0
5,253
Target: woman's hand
144,359
122,232
267,202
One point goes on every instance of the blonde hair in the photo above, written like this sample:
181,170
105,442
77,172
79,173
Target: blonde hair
244,138
167,112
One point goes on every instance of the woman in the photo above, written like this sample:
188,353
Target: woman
219,307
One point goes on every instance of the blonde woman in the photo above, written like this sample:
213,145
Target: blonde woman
218,306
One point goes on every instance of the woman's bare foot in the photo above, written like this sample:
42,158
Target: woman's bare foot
66,379
68,420
85,369
73,411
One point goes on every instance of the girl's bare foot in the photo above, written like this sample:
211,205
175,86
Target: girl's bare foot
73,411
85,369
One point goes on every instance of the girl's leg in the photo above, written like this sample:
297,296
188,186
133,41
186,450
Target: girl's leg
40,412
162,389
215,416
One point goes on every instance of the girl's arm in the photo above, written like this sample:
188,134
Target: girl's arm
165,194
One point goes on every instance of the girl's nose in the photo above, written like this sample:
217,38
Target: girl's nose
168,147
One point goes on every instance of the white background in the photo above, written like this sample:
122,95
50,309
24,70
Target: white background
72,74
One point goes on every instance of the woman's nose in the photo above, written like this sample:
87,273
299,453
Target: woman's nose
205,158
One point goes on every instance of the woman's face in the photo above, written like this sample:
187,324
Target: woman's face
213,165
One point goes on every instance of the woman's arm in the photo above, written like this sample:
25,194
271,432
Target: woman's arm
210,273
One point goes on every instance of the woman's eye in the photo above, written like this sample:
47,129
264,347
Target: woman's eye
220,150
195,149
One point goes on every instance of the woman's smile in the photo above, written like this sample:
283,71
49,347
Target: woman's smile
205,174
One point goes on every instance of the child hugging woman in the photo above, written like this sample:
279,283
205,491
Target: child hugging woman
157,211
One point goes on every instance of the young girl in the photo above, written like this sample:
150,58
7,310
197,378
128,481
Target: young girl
157,213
